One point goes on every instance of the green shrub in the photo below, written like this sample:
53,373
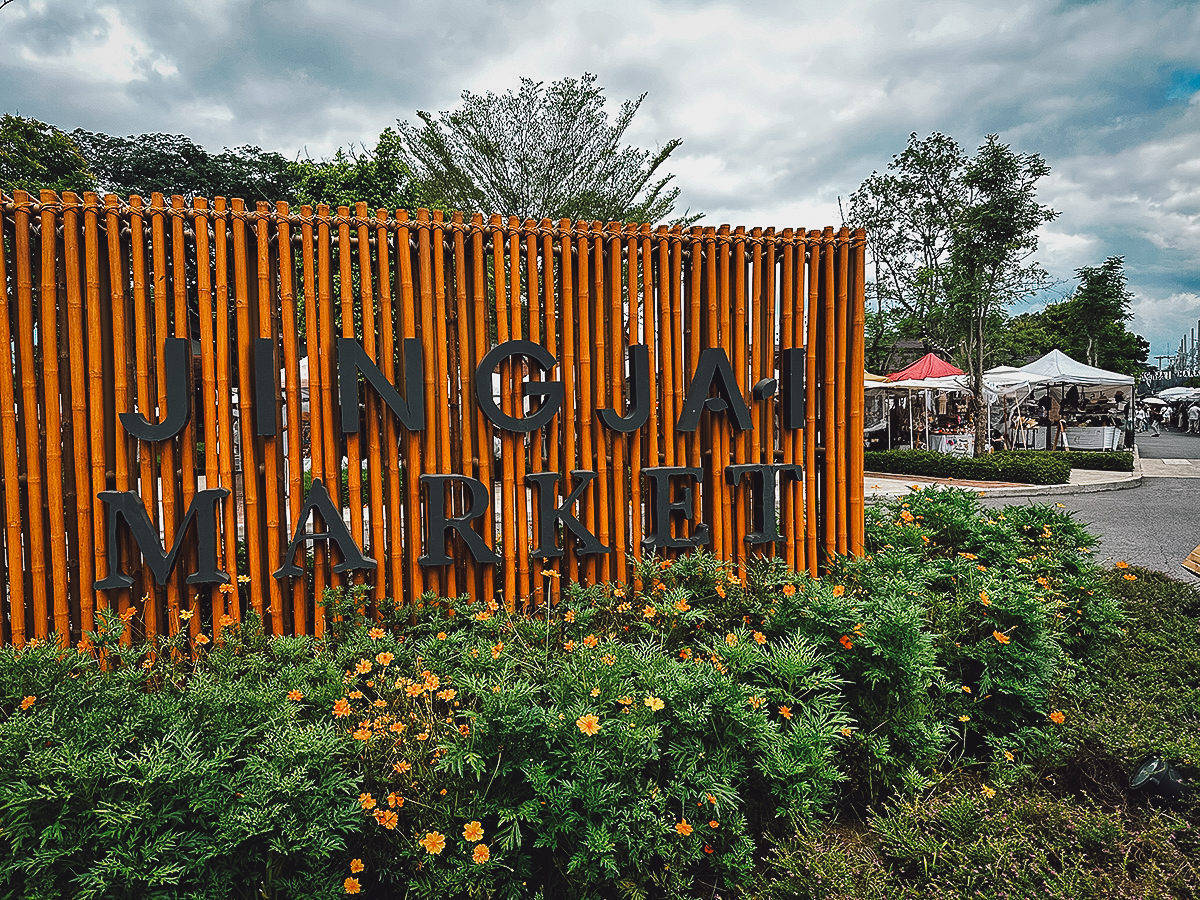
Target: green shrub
1022,467
152,777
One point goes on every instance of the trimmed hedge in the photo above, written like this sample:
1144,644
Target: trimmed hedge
1106,461
1022,467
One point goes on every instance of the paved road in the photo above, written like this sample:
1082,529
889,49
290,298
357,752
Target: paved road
1155,525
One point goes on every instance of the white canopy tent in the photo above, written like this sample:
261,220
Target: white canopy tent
1056,373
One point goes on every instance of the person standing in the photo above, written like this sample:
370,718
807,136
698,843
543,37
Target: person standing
1155,418
1193,414
1139,418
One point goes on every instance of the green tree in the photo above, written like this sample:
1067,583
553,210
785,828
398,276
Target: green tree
36,156
540,152
175,164
1090,325
379,178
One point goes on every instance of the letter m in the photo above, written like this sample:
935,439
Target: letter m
127,505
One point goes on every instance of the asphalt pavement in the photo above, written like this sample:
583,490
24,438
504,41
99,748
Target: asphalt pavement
1150,518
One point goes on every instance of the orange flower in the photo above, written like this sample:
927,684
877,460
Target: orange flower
384,659
341,709
589,724
433,842
569,615
366,801
355,695
731,640
714,824
608,659
481,854
711,799
28,701
683,827
789,590
649,612
1002,638
756,701
682,605
395,800
441,635
1129,576
376,633
590,641
654,703
201,638
1057,717
625,701
351,885
296,695
387,819
664,564
759,637
839,590
708,849
720,590
984,599
473,832
364,666
356,865
569,646
846,642
362,734
1121,564
226,620
785,711
497,649
228,588
401,767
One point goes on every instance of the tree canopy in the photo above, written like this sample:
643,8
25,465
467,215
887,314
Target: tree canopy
36,156
543,151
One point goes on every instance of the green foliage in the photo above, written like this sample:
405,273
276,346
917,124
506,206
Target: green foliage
135,772
36,156
378,178
1021,467
542,152
175,164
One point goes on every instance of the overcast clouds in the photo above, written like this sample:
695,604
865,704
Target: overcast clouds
782,107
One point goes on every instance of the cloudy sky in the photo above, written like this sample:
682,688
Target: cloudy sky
783,107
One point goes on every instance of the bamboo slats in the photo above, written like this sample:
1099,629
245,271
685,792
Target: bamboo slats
92,289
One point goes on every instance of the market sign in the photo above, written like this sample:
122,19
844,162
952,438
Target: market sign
210,407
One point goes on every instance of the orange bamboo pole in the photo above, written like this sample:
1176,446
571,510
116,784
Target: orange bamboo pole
507,439
245,339
387,351
801,526
208,381
9,441
583,357
856,365
567,300
829,430
442,370
229,602
77,340
353,441
51,411
187,440
617,287
412,439
841,342
271,500
811,465
601,437
770,287
94,329
316,379
293,404
372,405
483,431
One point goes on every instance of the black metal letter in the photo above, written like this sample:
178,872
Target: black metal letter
637,411
791,373
352,359
714,367
336,531
127,505
266,379
549,515
658,535
763,497
438,524
177,358
550,391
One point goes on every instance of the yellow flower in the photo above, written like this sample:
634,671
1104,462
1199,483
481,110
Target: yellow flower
366,801
654,703
839,590
988,792
186,614
649,612
243,579
356,865
683,827
1002,638
589,724
28,701
433,842
756,701
731,640
481,854
1008,756
351,886
595,692
964,718
625,701
473,832
384,659
608,659
845,731
1128,576
966,690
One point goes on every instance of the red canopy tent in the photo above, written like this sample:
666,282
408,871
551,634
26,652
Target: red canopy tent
928,366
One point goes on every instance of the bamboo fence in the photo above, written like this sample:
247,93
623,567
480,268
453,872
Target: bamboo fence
93,287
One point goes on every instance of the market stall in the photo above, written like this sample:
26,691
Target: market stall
1074,406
